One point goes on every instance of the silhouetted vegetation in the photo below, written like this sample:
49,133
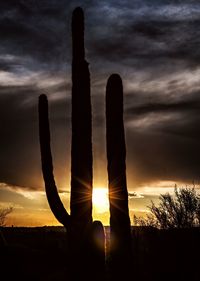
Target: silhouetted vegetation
4,212
40,254
181,210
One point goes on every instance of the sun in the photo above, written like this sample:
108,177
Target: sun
100,199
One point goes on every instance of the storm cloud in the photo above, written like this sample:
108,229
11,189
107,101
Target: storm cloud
155,47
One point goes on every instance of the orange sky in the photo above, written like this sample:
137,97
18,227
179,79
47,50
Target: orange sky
30,208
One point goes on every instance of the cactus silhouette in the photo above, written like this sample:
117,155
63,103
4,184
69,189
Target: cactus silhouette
118,195
81,165
85,255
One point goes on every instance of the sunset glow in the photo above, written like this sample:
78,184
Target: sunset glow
100,199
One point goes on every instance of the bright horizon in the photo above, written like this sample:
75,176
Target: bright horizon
30,208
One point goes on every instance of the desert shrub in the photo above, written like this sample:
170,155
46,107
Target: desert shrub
180,210
3,215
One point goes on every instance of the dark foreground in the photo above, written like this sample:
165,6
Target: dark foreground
40,254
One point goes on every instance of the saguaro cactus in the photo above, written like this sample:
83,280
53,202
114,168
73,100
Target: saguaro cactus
79,222
118,195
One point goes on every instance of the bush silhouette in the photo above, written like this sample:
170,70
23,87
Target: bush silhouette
3,215
181,210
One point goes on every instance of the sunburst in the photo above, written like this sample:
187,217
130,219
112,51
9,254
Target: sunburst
100,199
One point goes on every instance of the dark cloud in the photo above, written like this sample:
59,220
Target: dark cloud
19,149
162,141
114,31
164,145
182,106
152,156
149,44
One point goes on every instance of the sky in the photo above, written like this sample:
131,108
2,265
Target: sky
154,46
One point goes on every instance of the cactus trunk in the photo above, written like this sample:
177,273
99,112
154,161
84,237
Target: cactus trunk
118,195
81,163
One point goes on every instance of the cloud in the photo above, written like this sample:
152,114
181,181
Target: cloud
126,32
182,106
21,197
132,194
154,154
19,149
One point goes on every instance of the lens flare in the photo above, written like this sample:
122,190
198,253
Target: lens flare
100,199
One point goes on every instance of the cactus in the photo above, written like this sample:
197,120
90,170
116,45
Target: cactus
80,229
87,256
118,195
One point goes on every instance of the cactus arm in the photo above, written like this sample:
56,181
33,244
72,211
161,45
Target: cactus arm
47,166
